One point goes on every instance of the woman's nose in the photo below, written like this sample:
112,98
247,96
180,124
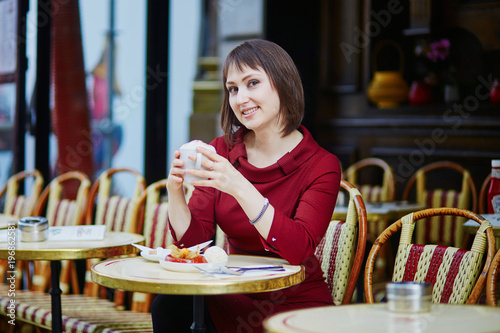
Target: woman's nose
242,96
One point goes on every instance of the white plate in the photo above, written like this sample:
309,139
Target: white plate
190,268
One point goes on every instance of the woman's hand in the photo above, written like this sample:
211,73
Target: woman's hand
220,173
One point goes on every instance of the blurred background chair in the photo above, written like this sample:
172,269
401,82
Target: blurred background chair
19,197
341,251
374,179
483,195
112,204
63,203
458,276
152,211
442,184
492,281
21,193
362,173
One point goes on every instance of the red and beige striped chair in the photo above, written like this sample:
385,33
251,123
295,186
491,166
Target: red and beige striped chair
342,249
108,206
458,276
492,280
63,203
21,193
443,230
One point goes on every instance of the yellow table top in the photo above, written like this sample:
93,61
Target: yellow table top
376,318
138,274
113,244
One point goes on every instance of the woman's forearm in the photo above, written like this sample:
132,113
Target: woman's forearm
178,213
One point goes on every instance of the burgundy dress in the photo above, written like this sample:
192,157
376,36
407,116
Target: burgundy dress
302,187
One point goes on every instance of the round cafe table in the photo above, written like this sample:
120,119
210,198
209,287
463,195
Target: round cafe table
139,274
375,318
113,244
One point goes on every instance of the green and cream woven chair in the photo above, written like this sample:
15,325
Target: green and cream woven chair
463,195
492,280
106,206
458,276
20,195
342,249
376,167
63,203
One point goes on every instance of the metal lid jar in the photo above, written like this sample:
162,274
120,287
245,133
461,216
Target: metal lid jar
409,297
33,229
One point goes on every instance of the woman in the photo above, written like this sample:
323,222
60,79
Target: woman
271,188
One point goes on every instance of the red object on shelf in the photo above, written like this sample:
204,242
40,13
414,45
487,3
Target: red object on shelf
420,93
494,190
495,92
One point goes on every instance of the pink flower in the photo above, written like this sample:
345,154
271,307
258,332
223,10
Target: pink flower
439,50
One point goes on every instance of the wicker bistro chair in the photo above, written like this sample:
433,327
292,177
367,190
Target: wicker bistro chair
373,193
341,251
458,276
384,192
153,211
20,204
492,279
113,210
483,195
433,230
61,209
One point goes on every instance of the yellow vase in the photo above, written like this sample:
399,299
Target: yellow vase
387,89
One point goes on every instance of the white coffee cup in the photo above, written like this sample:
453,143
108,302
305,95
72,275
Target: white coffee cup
190,148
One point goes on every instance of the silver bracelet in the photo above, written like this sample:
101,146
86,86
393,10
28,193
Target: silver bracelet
264,208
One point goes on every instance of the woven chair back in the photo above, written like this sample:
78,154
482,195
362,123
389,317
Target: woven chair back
492,279
60,210
443,230
341,250
457,275
384,192
483,195
115,211
17,204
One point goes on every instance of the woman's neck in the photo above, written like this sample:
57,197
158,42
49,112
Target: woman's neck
265,149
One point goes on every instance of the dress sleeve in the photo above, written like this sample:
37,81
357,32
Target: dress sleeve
296,238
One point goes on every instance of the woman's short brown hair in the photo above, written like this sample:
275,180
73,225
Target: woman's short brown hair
283,75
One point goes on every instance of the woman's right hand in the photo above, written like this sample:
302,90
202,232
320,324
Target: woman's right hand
176,174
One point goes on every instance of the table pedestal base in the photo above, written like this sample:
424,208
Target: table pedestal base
198,325
55,292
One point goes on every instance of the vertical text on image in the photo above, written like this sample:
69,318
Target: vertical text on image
11,272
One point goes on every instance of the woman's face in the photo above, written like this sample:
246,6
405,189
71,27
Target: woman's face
253,99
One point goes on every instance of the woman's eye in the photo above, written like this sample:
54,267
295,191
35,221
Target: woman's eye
253,83
232,90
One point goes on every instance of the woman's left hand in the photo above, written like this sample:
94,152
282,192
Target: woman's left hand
220,173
